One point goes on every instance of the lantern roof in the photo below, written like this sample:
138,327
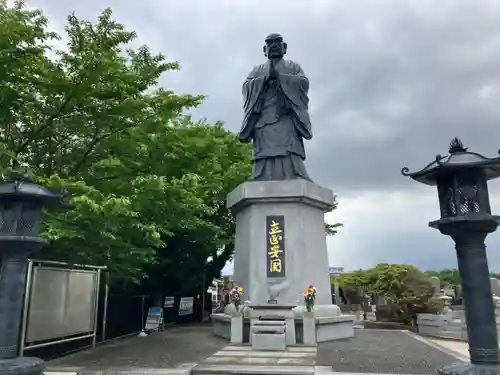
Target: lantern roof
458,158
23,186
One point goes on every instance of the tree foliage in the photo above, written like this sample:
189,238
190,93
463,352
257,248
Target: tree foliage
92,118
394,281
399,282
402,285
148,184
448,277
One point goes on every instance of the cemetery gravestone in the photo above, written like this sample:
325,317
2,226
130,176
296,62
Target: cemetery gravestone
436,285
495,286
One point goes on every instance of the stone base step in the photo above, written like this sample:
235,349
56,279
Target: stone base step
246,369
236,355
261,361
125,371
245,361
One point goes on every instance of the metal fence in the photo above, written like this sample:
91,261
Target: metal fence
72,307
60,304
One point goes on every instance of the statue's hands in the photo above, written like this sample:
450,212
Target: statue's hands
285,110
273,73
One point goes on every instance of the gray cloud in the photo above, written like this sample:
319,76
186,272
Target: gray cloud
391,83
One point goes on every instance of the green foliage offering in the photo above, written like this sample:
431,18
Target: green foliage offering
147,183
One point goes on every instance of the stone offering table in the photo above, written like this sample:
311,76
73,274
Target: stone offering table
274,313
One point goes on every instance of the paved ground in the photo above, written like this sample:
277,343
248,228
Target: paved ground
167,349
459,347
241,359
176,350
383,352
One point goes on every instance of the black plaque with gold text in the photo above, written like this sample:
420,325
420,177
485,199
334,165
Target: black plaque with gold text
275,247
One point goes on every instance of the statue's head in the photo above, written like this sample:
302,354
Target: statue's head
275,47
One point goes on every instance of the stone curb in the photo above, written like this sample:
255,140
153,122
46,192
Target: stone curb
448,351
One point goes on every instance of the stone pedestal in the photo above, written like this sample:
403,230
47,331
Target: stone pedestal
470,369
303,205
283,219
22,366
309,328
237,329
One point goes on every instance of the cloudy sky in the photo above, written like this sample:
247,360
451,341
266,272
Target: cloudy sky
391,83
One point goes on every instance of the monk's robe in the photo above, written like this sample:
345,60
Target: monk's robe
276,118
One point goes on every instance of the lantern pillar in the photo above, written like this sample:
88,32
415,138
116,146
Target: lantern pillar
469,237
12,287
461,179
21,204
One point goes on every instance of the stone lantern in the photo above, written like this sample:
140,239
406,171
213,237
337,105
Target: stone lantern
461,179
21,204
446,300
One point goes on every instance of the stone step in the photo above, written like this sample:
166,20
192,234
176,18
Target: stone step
250,369
182,369
125,371
242,360
261,361
289,349
264,354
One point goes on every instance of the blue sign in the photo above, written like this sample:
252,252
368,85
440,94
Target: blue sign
155,311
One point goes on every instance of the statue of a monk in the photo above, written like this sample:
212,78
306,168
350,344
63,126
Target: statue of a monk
276,115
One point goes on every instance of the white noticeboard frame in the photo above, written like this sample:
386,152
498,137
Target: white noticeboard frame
168,302
154,319
186,306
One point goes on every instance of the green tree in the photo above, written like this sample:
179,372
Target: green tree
401,285
449,277
147,183
92,119
363,281
399,282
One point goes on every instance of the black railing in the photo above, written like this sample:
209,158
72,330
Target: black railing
124,316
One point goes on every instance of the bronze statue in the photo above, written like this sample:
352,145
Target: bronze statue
276,115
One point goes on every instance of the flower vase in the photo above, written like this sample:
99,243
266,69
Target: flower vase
237,328
309,328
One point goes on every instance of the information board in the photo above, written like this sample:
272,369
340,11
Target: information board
154,319
62,303
275,235
169,302
186,306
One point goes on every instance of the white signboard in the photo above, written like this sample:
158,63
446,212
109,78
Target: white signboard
168,302
154,319
186,306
